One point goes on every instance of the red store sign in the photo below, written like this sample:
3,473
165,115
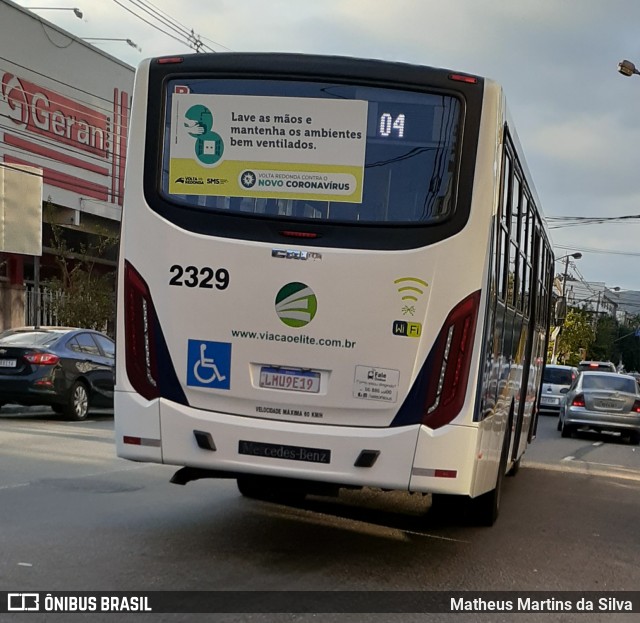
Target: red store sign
46,124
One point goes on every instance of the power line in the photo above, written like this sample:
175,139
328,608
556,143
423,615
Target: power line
560,222
150,24
173,23
183,35
603,251
162,17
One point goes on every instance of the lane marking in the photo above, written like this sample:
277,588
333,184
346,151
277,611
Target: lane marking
582,467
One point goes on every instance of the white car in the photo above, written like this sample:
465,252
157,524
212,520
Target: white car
556,381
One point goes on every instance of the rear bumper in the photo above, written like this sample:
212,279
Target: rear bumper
23,392
412,458
603,421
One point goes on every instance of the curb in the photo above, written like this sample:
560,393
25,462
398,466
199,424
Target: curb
13,409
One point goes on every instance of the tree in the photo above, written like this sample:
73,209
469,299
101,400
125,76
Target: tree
576,337
83,296
603,346
628,344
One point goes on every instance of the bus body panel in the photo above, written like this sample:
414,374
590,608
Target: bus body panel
395,468
347,313
391,470
349,341
444,460
138,419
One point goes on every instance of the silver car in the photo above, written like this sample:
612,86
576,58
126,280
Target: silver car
602,401
556,381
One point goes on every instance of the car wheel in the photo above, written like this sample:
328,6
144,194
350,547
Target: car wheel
77,408
566,430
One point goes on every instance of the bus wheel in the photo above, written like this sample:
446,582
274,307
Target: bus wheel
514,468
484,510
447,508
249,487
270,489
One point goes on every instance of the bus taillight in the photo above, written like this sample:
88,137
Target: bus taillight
140,323
453,350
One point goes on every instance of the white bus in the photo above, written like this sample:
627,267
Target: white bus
333,273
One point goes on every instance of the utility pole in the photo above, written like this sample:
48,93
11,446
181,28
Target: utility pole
575,256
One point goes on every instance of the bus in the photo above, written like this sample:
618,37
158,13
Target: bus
333,273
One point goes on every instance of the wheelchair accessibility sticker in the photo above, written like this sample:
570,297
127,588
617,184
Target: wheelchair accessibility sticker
209,364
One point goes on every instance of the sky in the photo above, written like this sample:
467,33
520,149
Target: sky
577,117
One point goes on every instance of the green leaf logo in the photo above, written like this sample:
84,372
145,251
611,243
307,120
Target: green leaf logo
296,304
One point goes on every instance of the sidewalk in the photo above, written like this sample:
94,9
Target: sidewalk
12,409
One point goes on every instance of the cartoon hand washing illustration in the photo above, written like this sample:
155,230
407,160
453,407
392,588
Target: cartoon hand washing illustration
209,145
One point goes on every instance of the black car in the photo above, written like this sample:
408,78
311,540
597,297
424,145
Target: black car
67,369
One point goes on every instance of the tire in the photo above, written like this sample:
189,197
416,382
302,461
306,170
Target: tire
77,407
249,487
269,489
566,431
515,468
448,508
484,510
59,409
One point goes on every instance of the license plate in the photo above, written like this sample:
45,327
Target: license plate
607,404
306,381
549,401
8,363
288,453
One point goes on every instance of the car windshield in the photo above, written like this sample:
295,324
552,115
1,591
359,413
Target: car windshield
30,338
596,365
613,382
557,376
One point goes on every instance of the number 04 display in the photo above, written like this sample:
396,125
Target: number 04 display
388,125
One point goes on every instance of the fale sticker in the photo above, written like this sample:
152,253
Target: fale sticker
372,383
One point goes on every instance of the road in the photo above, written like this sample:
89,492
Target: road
75,517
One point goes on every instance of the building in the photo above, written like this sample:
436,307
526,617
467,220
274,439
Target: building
593,297
64,109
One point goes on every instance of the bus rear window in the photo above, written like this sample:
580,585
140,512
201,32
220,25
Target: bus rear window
305,150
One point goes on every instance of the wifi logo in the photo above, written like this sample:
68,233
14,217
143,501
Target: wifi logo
410,288
296,304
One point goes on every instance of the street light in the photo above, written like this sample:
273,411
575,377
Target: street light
77,12
575,256
627,68
127,41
